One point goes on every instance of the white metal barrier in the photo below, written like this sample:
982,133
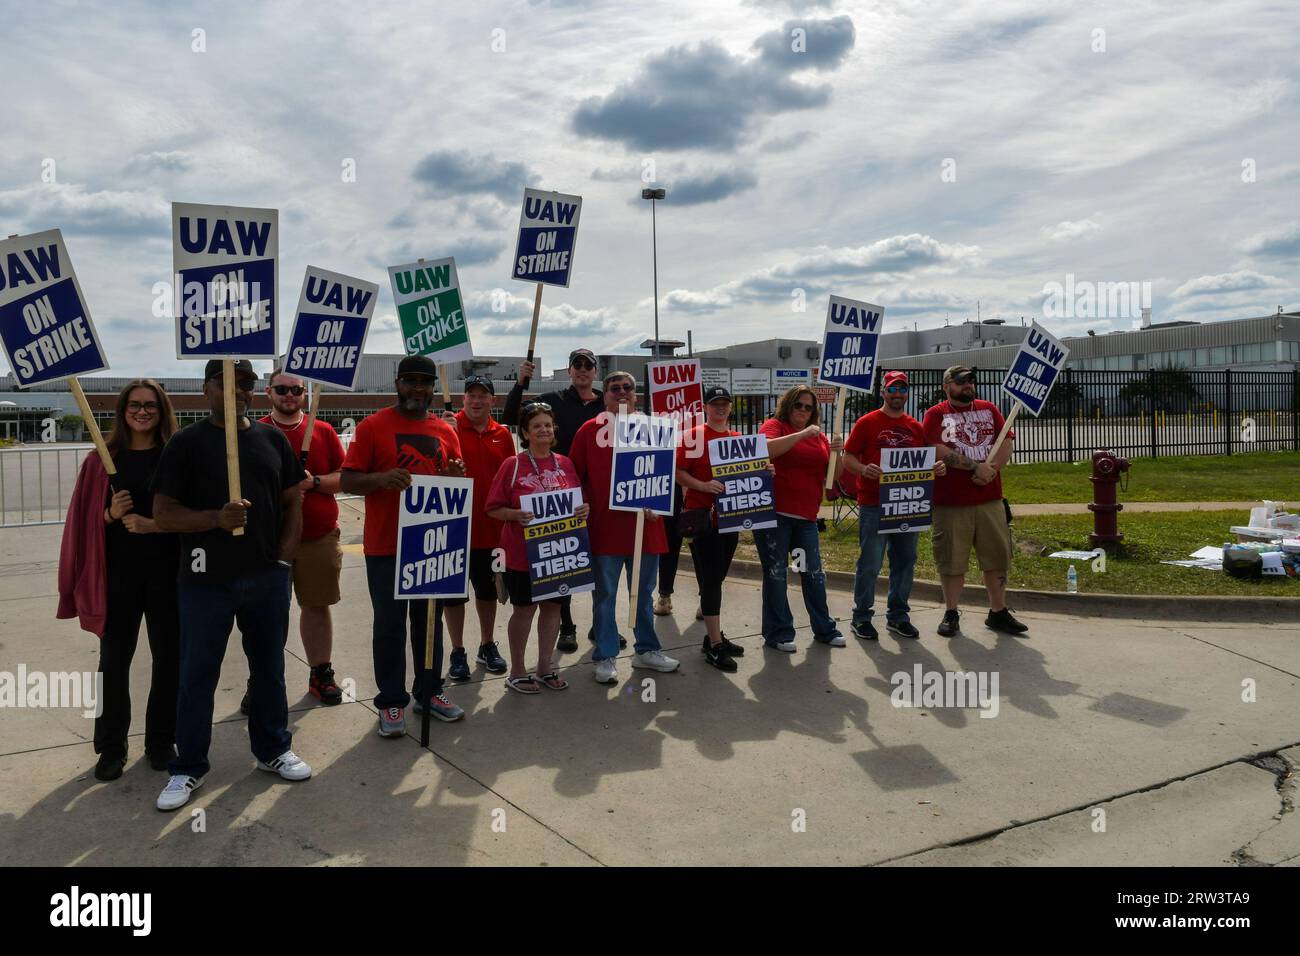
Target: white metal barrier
36,483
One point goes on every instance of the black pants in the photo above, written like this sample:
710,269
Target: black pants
668,562
152,596
711,553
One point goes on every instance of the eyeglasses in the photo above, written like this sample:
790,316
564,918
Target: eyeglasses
583,364
803,407
134,407
416,381
288,389
625,387
898,389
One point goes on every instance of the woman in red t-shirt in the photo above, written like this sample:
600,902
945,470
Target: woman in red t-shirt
801,455
535,469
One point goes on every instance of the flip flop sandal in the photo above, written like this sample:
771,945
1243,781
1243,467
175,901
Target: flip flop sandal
553,680
524,685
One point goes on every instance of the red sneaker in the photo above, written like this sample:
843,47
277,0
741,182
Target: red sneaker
321,685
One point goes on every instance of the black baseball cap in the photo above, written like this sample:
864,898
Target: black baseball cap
480,380
417,365
716,393
214,366
588,354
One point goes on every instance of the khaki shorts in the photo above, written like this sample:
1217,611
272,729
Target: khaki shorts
316,571
956,529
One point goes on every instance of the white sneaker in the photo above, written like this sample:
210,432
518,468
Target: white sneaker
177,792
788,646
836,641
288,765
606,671
655,661
664,605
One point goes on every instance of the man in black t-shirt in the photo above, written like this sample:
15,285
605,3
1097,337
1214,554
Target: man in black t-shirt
226,578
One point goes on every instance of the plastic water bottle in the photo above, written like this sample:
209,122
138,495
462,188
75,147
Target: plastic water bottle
1072,580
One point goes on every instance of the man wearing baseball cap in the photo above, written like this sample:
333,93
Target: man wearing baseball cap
226,578
968,509
484,445
887,427
573,407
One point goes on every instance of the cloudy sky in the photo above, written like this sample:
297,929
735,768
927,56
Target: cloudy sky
919,155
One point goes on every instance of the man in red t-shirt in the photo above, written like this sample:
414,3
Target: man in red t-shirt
613,534
887,427
968,509
484,445
388,447
319,559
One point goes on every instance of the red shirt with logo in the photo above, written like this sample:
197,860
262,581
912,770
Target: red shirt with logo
693,458
320,512
612,532
515,478
483,452
800,472
971,430
388,440
874,431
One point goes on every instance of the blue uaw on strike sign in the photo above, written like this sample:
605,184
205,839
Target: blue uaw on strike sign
645,450
44,323
433,518
559,547
329,329
747,502
906,490
1036,368
548,232
850,343
224,258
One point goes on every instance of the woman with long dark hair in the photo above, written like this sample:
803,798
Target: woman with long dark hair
116,568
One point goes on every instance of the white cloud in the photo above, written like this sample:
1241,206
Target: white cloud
1242,280
1067,231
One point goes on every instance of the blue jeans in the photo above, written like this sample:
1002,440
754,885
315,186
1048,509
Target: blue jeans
609,571
388,637
871,558
774,546
259,603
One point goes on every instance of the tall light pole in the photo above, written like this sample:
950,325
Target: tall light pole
652,195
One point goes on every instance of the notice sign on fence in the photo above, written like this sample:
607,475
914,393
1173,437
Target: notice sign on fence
849,344
224,259
430,310
740,463
44,323
645,450
1036,368
676,391
329,329
548,233
433,538
906,489
559,550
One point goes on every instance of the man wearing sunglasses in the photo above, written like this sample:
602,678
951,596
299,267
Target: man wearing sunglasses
968,509
573,407
887,427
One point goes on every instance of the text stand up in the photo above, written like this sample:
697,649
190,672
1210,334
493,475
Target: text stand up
232,433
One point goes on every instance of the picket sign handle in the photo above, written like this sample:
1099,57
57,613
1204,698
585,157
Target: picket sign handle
446,388
837,415
635,590
532,335
1006,427
232,433
432,632
311,420
93,427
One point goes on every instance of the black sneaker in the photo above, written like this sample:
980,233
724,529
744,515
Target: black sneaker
735,650
243,704
718,657
458,666
490,657
951,623
109,767
903,629
865,631
322,685
568,641
591,636
1004,622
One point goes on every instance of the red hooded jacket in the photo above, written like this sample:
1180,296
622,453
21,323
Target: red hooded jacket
83,568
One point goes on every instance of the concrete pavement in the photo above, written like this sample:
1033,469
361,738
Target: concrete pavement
794,759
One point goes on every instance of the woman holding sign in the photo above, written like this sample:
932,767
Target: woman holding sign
801,454
533,470
116,569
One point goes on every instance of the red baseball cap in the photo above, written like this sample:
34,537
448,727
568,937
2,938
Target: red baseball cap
896,378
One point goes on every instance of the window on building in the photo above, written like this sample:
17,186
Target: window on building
1202,356
1219,356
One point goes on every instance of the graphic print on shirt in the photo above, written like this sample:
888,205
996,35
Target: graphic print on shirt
895,438
972,431
420,454
549,480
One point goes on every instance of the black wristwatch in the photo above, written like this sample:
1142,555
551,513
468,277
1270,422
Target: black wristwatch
315,482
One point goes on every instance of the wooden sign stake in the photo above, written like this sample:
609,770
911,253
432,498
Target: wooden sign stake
1006,427
93,427
837,415
635,590
232,433
532,335
311,421
432,634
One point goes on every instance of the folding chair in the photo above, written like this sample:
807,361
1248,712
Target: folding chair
845,507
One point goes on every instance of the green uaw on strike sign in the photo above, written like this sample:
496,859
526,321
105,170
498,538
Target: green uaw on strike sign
430,310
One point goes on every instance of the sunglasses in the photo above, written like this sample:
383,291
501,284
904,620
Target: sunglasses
537,407
583,364
288,389
416,381
898,389
803,407
135,407
965,378
625,387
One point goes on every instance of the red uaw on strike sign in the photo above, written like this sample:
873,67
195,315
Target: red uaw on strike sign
677,392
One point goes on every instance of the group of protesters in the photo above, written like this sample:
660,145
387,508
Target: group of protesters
161,542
